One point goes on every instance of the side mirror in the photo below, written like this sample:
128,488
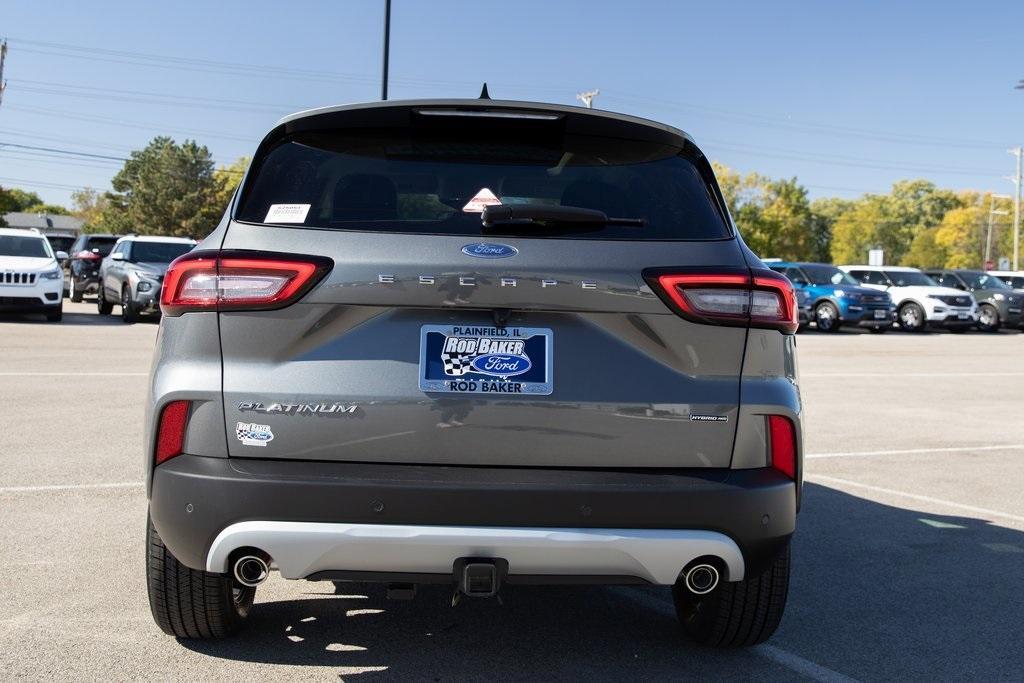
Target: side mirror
61,256
117,257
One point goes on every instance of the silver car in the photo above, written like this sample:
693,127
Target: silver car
475,343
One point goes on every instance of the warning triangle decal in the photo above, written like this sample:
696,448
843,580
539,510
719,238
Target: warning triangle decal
481,199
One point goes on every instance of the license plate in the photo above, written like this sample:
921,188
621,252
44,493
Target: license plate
963,316
480,359
881,315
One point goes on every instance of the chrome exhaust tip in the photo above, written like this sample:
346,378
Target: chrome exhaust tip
701,579
251,570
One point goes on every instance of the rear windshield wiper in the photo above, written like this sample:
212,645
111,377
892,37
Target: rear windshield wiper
504,215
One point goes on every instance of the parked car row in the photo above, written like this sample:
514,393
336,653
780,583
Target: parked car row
125,271
877,296
128,271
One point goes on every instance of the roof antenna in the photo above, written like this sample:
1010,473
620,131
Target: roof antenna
484,95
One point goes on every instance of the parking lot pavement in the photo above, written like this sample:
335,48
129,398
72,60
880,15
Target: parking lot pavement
907,562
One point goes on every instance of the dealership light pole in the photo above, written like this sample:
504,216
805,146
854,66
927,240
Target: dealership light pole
992,212
1019,153
3,83
387,46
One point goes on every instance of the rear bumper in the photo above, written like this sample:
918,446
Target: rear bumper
381,519
315,550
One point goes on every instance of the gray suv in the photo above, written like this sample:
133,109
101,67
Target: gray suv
475,343
132,274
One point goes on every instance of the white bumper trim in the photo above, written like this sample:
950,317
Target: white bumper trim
301,549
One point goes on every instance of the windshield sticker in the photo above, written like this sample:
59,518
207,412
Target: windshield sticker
481,199
288,213
252,434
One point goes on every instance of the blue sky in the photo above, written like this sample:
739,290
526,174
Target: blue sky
848,97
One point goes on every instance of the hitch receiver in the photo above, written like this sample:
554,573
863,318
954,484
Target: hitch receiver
479,577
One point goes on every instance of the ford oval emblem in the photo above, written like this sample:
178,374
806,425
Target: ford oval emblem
501,364
485,250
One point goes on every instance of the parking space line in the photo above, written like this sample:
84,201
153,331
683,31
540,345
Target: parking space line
785,658
913,451
916,496
71,487
74,374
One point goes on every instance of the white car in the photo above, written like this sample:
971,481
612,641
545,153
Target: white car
920,302
1014,278
31,279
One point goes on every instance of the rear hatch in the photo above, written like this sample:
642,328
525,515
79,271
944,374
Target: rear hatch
432,339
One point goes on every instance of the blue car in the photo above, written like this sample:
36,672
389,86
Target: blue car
835,299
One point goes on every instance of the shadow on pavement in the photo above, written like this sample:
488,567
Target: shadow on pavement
877,592
68,319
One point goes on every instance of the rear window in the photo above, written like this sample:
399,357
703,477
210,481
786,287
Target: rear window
416,182
157,252
101,245
60,242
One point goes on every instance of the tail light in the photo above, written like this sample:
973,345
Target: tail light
88,255
782,437
234,281
170,435
759,298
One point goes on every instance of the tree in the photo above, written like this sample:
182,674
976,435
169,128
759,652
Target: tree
774,216
15,199
857,230
960,235
88,205
229,178
54,209
824,214
925,251
164,189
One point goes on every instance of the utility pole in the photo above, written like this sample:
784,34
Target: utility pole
992,212
387,47
587,98
1019,153
3,83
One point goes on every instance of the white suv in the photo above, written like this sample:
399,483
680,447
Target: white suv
1014,278
31,279
920,302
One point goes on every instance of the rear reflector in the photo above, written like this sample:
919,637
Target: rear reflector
761,299
782,438
170,436
231,281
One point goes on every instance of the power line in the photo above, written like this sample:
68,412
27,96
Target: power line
149,93
123,123
62,151
87,155
47,184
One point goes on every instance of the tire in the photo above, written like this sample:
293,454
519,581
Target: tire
102,306
736,614
826,317
129,313
911,317
57,315
189,603
988,319
74,294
